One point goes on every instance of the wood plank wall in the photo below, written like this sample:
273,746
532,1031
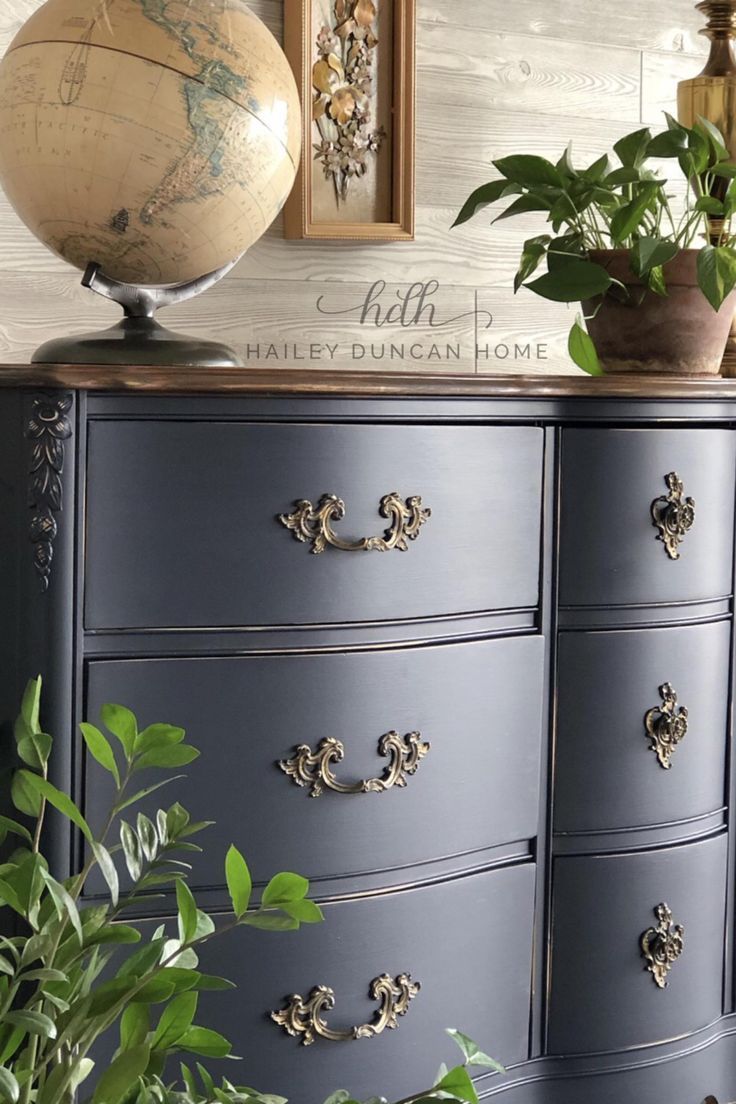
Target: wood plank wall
494,77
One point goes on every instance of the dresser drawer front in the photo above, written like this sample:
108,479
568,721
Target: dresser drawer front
610,551
183,522
477,705
611,770
603,997
467,942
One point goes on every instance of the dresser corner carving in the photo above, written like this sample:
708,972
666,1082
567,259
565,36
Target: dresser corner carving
47,428
666,725
673,515
662,945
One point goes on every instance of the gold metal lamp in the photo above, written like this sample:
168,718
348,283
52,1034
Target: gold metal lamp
712,95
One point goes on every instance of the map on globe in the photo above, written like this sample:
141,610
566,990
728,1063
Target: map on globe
157,138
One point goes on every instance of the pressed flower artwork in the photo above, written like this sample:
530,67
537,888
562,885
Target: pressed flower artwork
354,61
342,79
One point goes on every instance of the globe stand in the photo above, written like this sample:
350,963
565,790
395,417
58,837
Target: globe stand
138,338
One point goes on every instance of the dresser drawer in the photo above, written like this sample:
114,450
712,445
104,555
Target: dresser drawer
183,524
618,726
603,996
467,942
610,551
477,705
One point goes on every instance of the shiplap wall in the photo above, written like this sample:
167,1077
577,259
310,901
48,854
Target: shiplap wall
494,77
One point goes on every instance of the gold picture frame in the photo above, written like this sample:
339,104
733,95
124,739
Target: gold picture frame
329,201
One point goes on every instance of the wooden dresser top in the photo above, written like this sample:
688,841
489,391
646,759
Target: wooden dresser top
181,380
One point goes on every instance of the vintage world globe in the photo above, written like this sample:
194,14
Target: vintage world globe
159,138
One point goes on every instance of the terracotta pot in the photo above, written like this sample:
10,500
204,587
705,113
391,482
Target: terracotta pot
678,335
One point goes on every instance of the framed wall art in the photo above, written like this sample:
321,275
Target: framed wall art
354,61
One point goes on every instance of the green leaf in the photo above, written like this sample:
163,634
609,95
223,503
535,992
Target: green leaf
177,755
457,1082
25,798
523,206
154,991
534,250
107,867
176,1019
530,171
726,171
709,205
33,748
713,134
9,1087
284,888
63,902
158,735
187,912
9,896
46,973
572,281
632,149
472,1053
147,836
131,851
35,1023
9,825
31,704
114,933
100,749
306,912
597,170
109,993
122,1074
134,1026
484,197
136,797
582,350
717,273
627,219
59,800
649,253
565,166
201,1040
239,882
670,143
122,723
270,921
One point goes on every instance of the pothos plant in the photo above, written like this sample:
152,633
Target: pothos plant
622,204
76,971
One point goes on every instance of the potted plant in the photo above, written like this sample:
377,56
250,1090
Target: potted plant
656,285
76,971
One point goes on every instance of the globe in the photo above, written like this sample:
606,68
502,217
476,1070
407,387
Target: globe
159,138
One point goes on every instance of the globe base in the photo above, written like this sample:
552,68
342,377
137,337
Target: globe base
138,340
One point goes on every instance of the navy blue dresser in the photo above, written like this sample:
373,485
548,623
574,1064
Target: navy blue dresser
458,649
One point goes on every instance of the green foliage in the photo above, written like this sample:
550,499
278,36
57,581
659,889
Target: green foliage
625,207
79,969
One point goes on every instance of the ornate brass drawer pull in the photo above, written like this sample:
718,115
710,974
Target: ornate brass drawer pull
303,1018
314,768
666,726
314,526
673,515
663,945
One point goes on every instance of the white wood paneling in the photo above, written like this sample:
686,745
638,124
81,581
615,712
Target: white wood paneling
493,78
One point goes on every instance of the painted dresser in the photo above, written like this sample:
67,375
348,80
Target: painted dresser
458,649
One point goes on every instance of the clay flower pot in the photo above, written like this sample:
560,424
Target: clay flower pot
678,335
